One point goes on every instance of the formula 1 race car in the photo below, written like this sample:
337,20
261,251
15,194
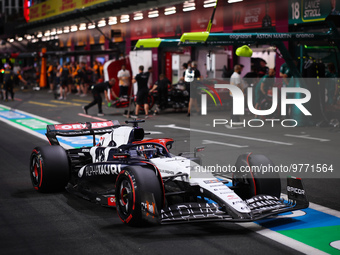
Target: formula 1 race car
147,183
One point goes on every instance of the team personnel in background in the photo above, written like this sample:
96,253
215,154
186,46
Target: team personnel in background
97,70
97,89
57,78
51,75
261,89
8,82
76,78
71,83
263,68
186,84
37,75
162,91
84,74
334,11
332,84
101,72
10,78
236,80
193,71
251,78
143,91
150,82
65,74
124,81
19,77
285,73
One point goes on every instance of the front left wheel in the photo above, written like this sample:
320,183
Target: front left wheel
49,168
132,184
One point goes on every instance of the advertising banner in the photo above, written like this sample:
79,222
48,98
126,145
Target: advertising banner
141,28
171,25
201,16
303,11
51,8
253,15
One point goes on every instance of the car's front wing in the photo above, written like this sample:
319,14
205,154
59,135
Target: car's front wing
261,206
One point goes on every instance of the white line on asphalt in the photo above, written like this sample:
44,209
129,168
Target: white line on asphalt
91,117
30,131
324,209
173,126
225,144
13,124
32,115
154,132
308,137
293,214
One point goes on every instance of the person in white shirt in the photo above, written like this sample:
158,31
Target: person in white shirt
236,80
124,81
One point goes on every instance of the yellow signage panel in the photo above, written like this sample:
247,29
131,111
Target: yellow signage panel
52,8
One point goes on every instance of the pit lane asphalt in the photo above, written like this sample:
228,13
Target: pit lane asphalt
35,223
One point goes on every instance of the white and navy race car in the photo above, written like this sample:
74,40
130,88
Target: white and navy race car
147,183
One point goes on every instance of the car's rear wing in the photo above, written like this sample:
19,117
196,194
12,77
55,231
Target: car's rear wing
79,129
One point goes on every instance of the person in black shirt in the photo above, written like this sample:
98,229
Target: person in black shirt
8,82
193,75
143,91
97,99
162,88
64,80
84,74
251,77
263,68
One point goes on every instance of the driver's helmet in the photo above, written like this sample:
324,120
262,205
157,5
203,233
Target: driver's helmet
147,151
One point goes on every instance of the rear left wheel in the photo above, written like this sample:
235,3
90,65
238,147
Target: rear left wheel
49,168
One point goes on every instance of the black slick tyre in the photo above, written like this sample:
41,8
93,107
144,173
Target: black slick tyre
131,183
251,183
49,168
